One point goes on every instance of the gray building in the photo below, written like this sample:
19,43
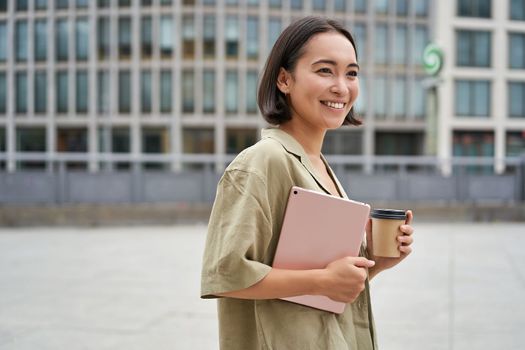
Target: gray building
104,83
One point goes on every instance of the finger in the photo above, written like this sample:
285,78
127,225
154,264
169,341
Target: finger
405,249
405,240
410,217
406,229
363,262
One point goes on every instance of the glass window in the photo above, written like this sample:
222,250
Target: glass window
274,30
82,39
296,4
40,40
343,142
273,3
21,5
188,91
208,39
61,4
209,2
517,50
30,139
402,7
103,3
103,38
419,99
360,6
473,48
40,92
2,140
146,2
232,37
208,84
72,140
41,4
421,8
239,139
381,6
3,5
165,2
120,140
188,36
124,3
400,49
3,41
165,91
515,144
82,3
381,44
232,92
21,40
399,143
145,92
103,91
166,36
359,34
319,5
62,92
473,144
231,2
82,92
517,10
420,42
473,98
516,99
124,37
360,103
21,92
3,93
61,39
155,140
146,40
124,92
400,97
474,8
340,5
198,140
380,97
252,38
251,92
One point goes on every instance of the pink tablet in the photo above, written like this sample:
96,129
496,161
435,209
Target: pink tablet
317,229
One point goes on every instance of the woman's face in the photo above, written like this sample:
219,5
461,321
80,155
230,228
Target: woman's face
324,84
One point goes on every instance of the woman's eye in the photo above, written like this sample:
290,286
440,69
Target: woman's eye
324,70
352,74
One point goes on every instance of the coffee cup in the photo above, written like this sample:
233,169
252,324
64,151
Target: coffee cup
385,230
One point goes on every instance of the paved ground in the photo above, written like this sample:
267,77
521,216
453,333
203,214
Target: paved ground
137,288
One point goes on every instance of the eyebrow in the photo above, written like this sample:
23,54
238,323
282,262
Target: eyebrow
333,63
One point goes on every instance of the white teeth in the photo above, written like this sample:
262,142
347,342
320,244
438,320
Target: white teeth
336,105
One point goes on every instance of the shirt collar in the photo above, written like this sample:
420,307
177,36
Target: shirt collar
294,147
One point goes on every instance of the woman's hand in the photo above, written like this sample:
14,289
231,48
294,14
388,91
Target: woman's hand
344,279
405,240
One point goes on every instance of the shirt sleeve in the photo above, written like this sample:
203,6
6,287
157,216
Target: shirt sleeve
239,232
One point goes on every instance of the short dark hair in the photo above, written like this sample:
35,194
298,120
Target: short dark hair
285,53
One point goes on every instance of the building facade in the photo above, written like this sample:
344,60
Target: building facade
105,83
481,95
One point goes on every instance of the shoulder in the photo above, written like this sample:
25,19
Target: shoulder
267,155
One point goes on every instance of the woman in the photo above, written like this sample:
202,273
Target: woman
309,85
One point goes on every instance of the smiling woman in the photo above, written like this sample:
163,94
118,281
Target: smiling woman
309,85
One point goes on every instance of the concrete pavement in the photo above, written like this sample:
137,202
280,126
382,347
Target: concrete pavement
137,288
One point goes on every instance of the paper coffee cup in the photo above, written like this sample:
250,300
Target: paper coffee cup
385,230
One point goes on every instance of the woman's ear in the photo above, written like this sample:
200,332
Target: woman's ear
284,80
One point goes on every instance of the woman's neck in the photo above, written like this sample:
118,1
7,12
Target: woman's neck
311,139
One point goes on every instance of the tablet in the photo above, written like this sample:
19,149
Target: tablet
317,229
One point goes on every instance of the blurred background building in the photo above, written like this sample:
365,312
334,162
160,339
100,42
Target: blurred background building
170,85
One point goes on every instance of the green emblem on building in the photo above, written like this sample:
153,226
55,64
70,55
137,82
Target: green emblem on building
432,59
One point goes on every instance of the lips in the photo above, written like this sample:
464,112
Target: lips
334,105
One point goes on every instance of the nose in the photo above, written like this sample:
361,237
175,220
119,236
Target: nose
340,86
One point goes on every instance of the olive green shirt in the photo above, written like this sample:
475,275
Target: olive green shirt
243,232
